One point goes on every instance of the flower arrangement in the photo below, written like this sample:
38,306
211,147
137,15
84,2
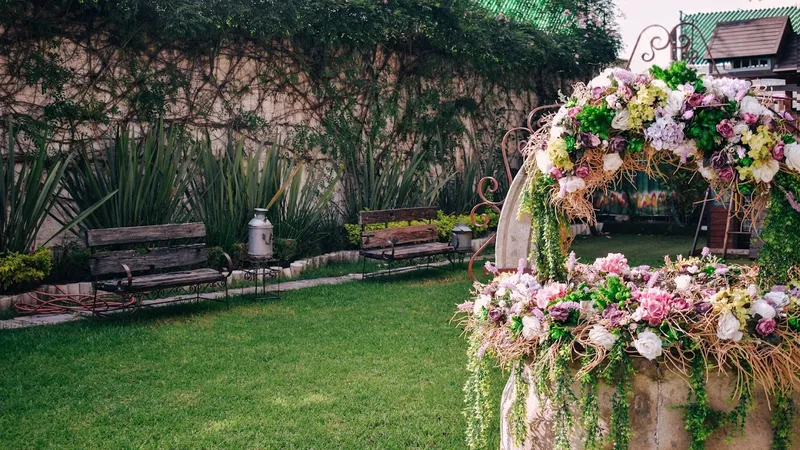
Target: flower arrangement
691,309
621,121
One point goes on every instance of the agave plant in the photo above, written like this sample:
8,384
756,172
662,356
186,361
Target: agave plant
27,197
227,188
151,175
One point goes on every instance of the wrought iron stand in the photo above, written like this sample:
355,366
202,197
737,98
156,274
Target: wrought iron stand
261,271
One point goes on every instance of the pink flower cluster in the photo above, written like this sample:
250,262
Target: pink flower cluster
614,263
550,293
655,304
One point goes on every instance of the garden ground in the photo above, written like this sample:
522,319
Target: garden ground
376,363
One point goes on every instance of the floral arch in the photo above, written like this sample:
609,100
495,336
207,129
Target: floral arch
558,323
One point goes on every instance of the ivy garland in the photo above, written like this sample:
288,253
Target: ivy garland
477,394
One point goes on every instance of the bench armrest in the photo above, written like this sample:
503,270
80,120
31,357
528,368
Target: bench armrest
128,275
228,265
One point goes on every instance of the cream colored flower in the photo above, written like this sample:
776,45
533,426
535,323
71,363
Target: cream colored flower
612,162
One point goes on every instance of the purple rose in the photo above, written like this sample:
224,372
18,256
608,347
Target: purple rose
718,160
617,144
560,311
556,173
702,307
582,171
695,100
614,315
725,128
769,122
642,78
572,112
598,91
749,118
727,174
496,315
765,327
588,140
777,151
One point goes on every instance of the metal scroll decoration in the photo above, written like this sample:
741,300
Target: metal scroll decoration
678,44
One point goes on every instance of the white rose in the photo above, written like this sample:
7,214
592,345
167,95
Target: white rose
598,335
543,162
611,162
777,299
792,154
706,172
556,131
751,105
766,170
648,345
481,302
764,309
620,121
637,315
728,327
572,184
660,84
708,83
738,130
674,103
602,80
683,282
531,327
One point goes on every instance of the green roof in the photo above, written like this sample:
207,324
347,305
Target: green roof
530,11
706,22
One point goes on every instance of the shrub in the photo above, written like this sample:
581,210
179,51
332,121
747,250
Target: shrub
19,270
444,223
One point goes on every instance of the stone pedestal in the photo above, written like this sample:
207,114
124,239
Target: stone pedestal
656,421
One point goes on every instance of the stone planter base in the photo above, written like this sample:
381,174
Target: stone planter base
656,423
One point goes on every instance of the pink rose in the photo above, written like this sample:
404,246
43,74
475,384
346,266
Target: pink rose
749,118
598,92
725,128
777,151
655,304
549,293
765,327
572,112
625,92
726,174
556,173
695,100
688,114
680,304
582,171
614,263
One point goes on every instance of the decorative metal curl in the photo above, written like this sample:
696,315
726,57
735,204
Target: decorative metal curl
495,185
676,43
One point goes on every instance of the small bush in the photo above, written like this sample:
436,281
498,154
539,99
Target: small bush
18,270
444,223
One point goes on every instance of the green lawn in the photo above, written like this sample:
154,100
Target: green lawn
373,364
365,364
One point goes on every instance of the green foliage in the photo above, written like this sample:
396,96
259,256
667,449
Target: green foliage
596,119
518,414
783,415
28,195
70,264
562,397
590,406
701,419
18,269
612,290
781,249
677,74
444,223
618,372
703,128
477,389
546,230
150,176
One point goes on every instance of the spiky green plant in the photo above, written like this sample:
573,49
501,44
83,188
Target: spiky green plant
150,173
227,188
27,197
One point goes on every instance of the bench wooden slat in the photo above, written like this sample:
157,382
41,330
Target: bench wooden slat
399,236
163,281
151,233
396,215
409,251
106,263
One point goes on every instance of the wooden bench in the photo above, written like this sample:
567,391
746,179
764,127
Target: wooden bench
141,266
400,243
